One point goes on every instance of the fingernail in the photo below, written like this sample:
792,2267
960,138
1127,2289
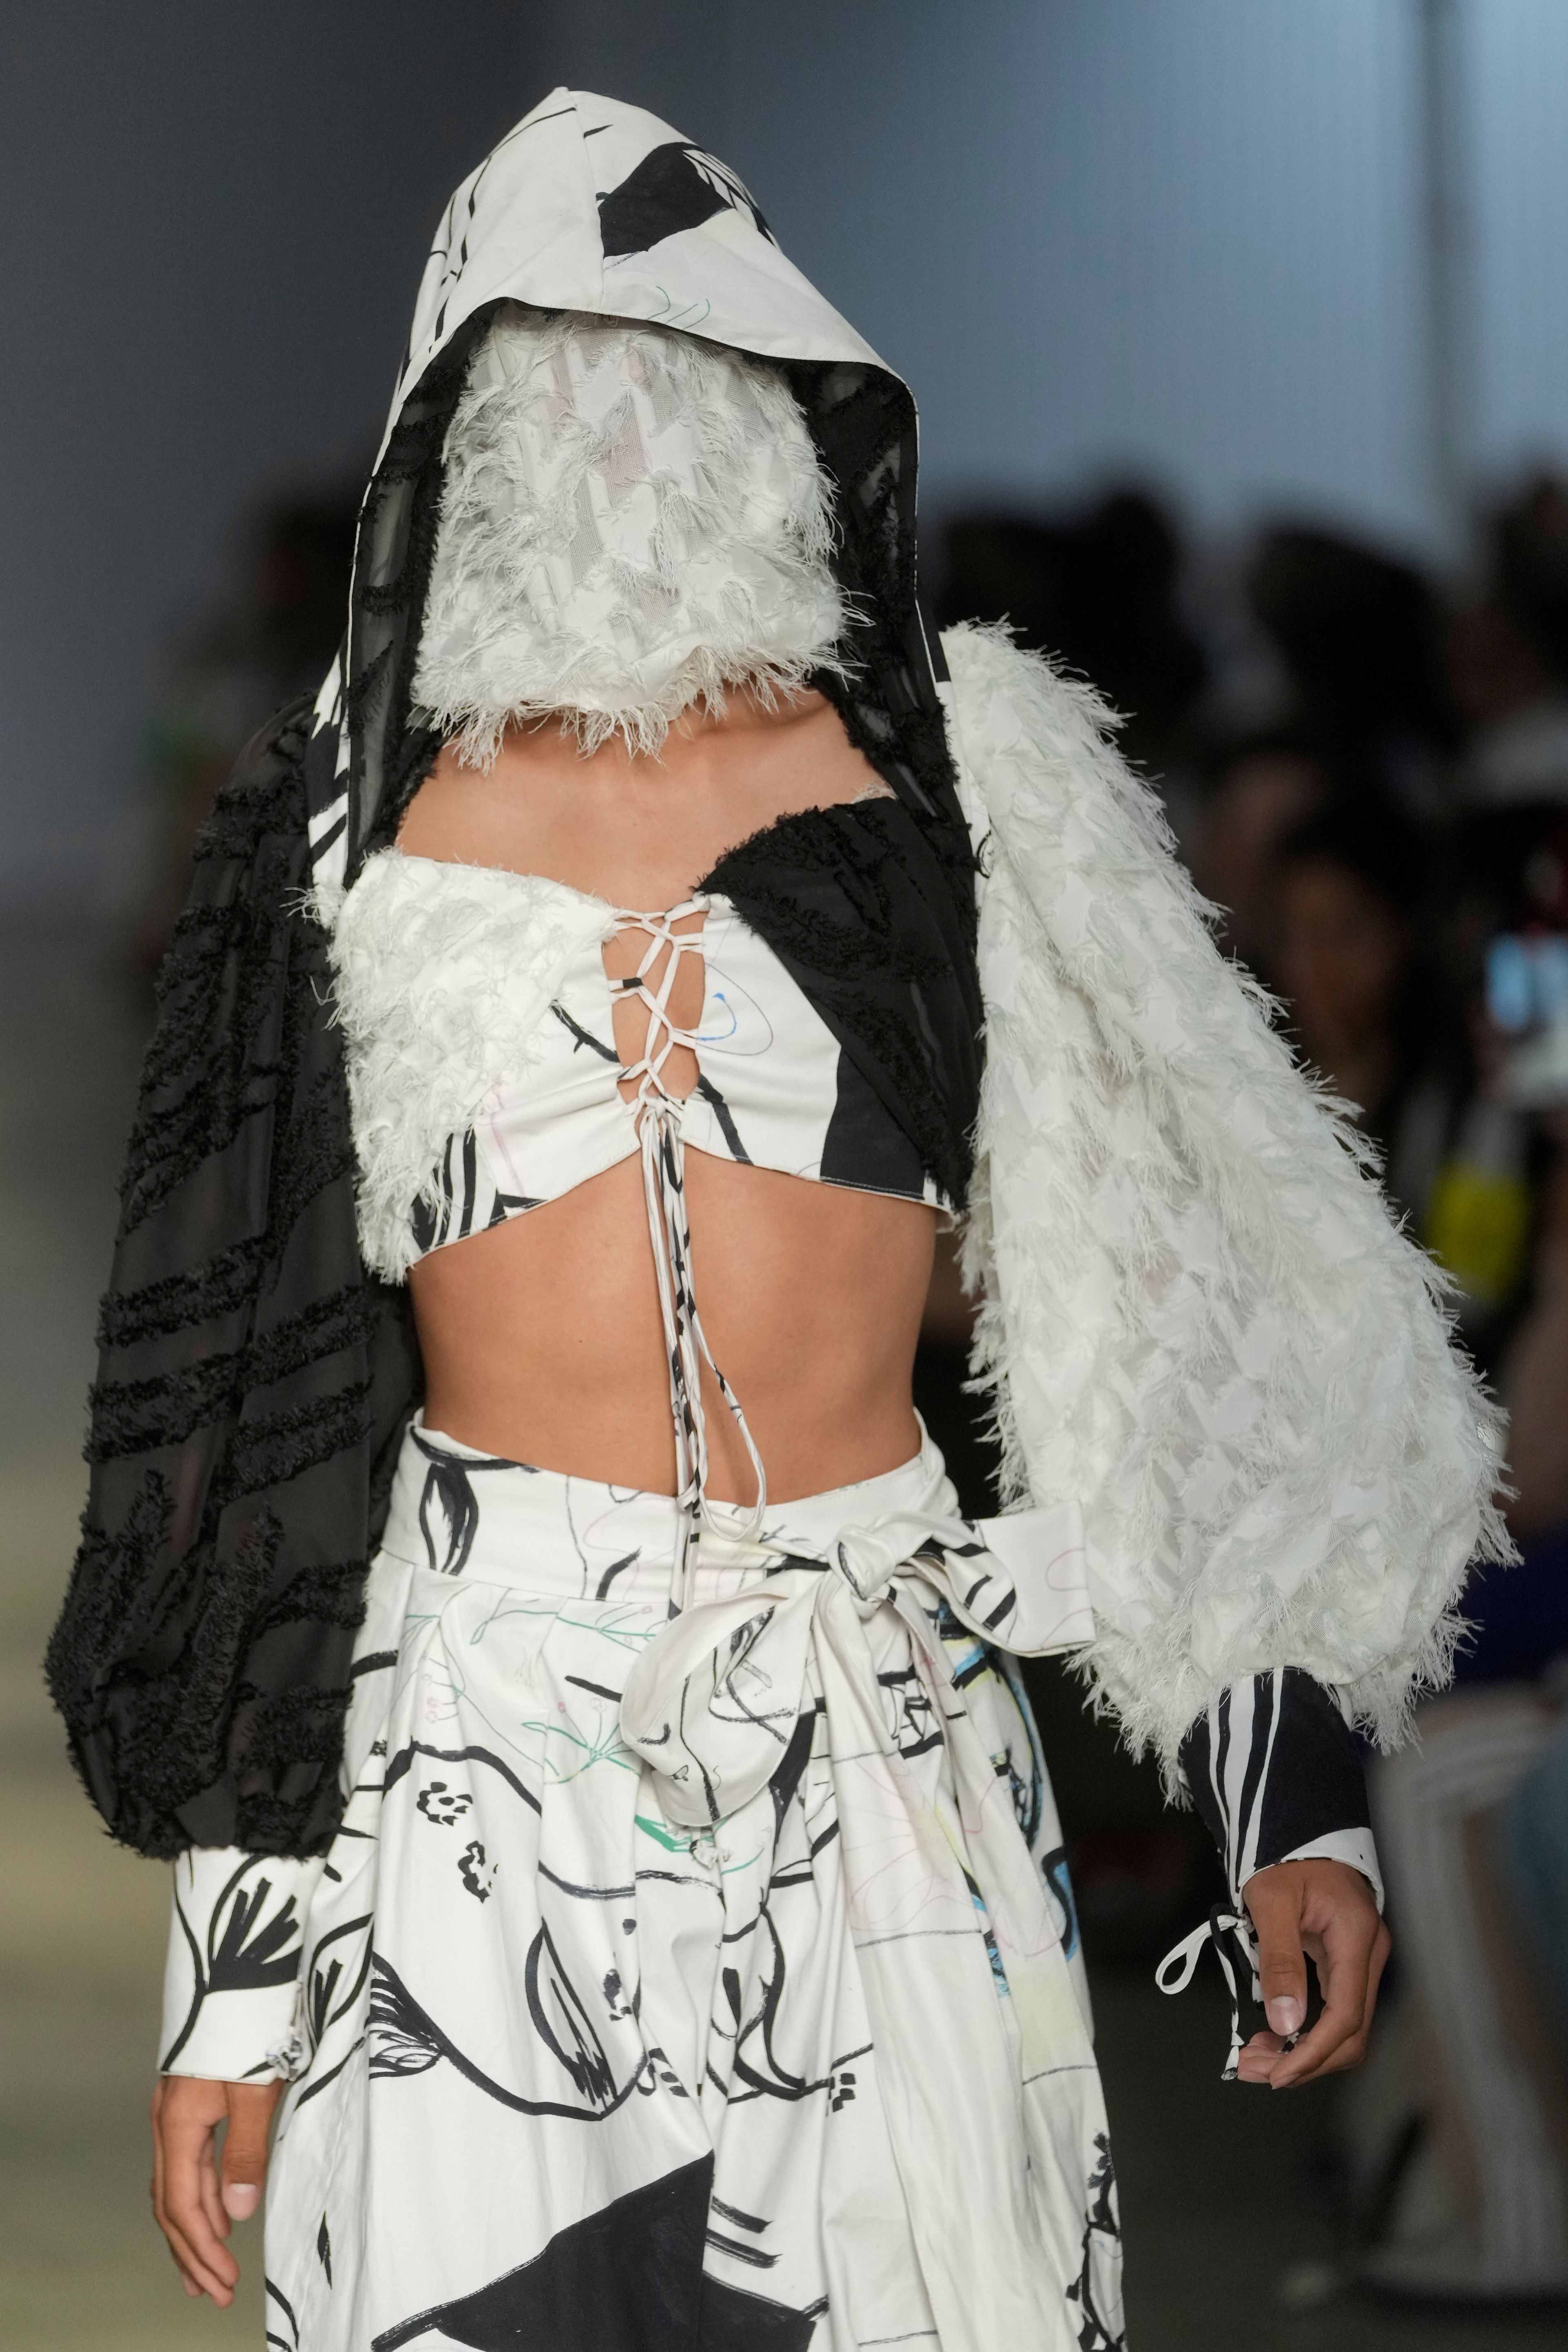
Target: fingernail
1285,2013
240,2199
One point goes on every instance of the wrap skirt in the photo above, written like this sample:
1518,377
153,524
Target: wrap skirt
697,1982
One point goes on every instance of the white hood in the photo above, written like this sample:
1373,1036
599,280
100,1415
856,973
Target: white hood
599,209
592,205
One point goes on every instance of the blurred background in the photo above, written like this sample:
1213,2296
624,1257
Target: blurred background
1240,329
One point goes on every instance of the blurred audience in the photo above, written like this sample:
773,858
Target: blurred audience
1260,788
1348,961
1361,641
1388,851
1508,654
1099,589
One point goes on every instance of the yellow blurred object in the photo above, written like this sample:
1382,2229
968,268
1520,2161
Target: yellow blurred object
1477,1223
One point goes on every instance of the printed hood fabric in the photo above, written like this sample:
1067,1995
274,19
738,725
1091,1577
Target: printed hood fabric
633,519
599,210
592,206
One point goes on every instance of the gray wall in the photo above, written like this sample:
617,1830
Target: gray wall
212,221
1179,236
1517,59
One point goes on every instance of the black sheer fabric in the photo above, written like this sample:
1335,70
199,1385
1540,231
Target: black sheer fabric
255,1380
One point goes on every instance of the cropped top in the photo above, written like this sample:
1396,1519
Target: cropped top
486,1078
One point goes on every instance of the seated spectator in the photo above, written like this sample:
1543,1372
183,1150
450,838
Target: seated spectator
1360,636
1349,885
1458,2133
1509,656
1261,789
1098,591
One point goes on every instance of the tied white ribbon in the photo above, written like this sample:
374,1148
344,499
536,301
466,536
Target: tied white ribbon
1235,1944
966,1984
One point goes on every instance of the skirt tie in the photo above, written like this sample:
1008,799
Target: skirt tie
971,2003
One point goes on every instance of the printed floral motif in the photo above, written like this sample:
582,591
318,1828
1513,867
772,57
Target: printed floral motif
443,1805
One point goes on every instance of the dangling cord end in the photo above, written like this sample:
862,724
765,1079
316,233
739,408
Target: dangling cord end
1229,1929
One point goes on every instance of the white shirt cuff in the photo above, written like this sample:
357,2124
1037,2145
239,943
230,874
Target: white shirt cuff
1355,1846
231,1982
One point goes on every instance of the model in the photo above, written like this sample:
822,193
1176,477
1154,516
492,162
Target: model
606,1821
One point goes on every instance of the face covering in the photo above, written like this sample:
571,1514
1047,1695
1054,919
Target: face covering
632,522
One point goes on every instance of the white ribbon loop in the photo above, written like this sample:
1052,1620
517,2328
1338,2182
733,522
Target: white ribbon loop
1019,1581
1235,1942
713,1703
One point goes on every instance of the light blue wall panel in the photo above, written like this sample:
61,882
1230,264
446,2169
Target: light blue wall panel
1518,62
1174,235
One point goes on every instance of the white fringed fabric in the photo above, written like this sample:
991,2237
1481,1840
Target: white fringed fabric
1199,1320
633,520
438,991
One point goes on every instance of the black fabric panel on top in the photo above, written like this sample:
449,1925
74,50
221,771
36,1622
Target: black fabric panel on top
854,903
865,1146
626,2279
863,422
1280,1758
253,1381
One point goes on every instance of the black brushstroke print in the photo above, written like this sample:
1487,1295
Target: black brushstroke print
563,2024
405,2039
1102,2224
734,2320
449,1499
675,187
626,2279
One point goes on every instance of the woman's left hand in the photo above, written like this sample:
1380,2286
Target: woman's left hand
1326,1911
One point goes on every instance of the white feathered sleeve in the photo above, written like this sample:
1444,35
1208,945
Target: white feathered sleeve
1197,1316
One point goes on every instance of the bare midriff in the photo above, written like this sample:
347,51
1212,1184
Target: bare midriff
542,1338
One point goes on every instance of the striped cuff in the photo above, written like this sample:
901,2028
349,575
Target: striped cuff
231,1981
1276,1774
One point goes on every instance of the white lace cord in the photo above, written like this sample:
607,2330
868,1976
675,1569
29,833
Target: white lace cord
1233,1936
658,1117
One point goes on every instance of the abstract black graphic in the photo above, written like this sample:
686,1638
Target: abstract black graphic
674,187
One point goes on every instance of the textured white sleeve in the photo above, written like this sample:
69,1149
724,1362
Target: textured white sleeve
231,1982
1199,1320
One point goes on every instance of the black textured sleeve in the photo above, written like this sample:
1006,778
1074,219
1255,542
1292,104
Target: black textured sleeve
251,1379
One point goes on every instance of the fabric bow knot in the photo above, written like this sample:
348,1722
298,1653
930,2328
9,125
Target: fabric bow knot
714,1701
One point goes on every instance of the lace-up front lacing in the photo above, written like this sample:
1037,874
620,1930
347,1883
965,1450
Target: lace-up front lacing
657,1112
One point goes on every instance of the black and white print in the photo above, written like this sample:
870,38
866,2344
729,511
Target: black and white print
659,1961
545,1082
1275,1775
